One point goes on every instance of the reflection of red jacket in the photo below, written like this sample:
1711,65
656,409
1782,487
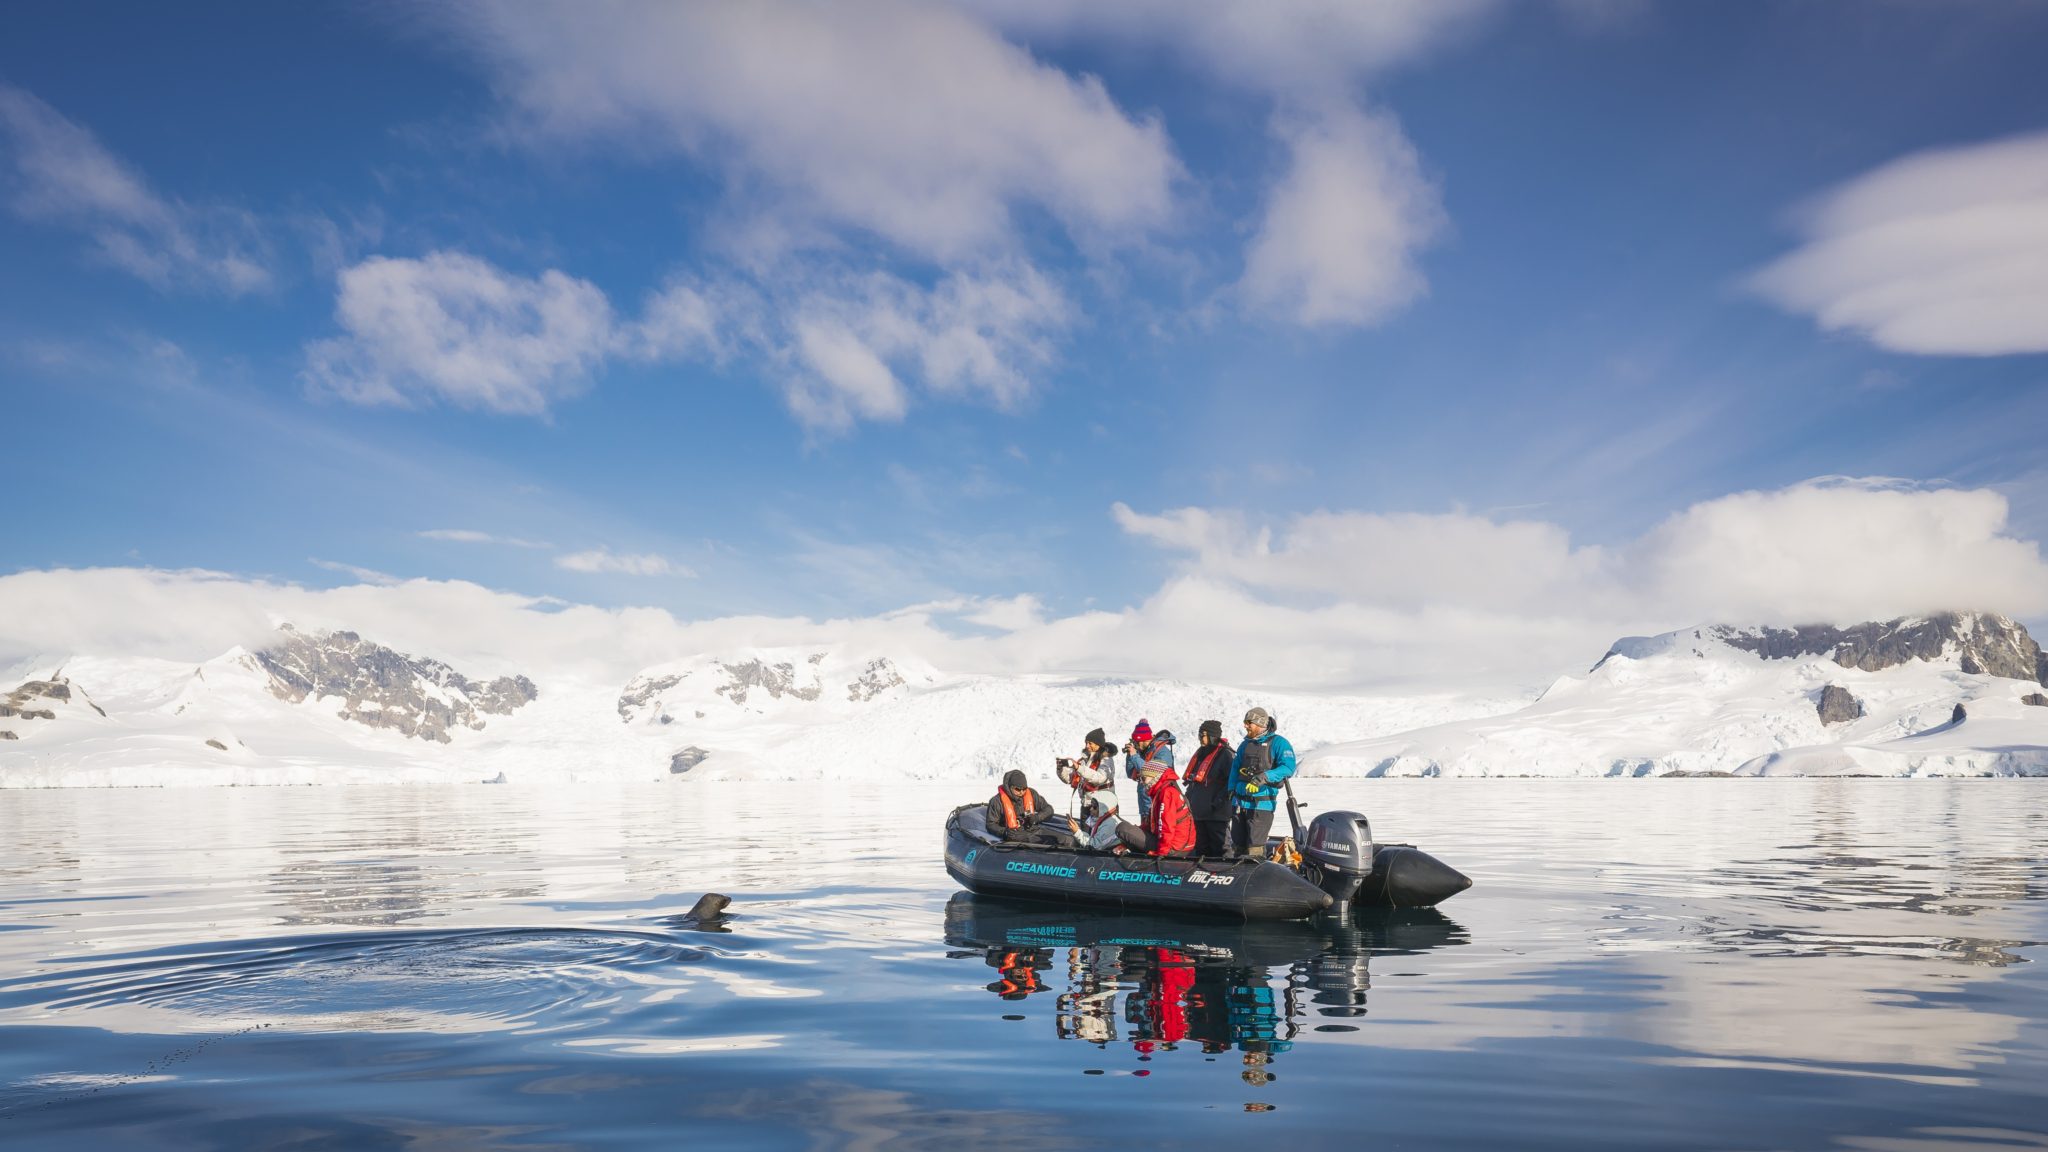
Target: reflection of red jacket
1172,829
1176,979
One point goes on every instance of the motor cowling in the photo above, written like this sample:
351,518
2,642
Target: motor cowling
1341,842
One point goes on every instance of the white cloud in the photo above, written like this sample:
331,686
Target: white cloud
366,575
1344,226
65,175
1443,596
853,339
455,328
472,536
604,560
1344,223
1355,600
911,120
1941,253
1841,550
1317,47
459,330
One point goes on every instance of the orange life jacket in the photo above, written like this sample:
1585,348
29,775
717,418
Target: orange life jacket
1010,809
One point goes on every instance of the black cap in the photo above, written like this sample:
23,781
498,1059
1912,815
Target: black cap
1096,737
1212,728
1014,780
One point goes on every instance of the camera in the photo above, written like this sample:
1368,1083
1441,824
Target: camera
1063,762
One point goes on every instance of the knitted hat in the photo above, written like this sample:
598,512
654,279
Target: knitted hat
1259,716
1014,780
1143,731
1096,737
1212,729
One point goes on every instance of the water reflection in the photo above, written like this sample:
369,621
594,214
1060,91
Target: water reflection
1159,984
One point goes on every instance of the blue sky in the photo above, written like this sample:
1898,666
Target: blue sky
794,311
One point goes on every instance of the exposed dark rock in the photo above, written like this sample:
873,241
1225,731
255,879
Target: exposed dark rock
1959,715
1984,644
2036,699
1837,706
6,735
878,677
641,690
686,759
778,680
223,747
386,689
1697,774
48,689
16,703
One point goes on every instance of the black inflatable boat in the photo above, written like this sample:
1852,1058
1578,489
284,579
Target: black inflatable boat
1242,889
1341,867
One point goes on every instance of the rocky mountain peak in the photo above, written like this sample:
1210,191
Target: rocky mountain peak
778,680
1984,644
383,688
1981,643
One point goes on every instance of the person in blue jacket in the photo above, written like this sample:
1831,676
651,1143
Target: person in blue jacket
1264,759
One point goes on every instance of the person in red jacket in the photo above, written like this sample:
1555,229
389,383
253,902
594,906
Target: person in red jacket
1168,830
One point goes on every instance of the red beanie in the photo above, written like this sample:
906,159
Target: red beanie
1142,732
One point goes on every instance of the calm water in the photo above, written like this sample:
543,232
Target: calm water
1680,963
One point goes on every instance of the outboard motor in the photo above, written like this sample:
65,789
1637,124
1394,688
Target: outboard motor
1337,857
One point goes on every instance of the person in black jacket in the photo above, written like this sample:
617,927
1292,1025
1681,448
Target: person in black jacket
1208,791
1016,813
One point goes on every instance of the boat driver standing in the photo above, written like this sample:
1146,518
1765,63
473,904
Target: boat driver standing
1264,759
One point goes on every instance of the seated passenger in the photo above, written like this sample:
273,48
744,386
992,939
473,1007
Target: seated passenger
1016,813
1168,830
1099,822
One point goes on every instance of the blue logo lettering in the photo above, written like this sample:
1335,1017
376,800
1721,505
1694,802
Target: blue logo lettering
1040,869
971,854
1138,877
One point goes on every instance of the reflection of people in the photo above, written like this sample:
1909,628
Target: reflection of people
1019,968
1256,1021
1087,1011
1167,997
1208,790
1263,761
1016,813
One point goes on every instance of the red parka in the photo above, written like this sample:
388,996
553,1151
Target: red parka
1172,829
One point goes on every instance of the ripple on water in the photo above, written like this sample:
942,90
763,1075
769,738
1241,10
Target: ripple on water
537,979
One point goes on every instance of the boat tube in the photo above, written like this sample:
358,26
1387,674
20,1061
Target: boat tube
1244,889
1341,868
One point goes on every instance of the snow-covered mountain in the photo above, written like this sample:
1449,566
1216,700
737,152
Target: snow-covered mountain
1952,694
339,707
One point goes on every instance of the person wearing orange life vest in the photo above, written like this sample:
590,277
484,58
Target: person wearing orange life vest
1016,813
1167,830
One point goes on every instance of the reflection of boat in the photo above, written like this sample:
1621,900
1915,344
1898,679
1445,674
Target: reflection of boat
1341,869
992,922
1240,888
1223,985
